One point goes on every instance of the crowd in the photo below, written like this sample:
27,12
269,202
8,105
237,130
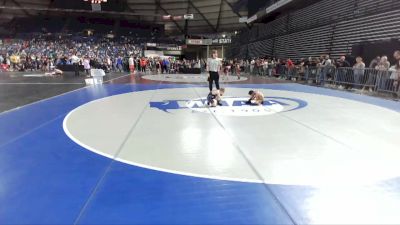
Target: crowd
164,65
343,72
44,54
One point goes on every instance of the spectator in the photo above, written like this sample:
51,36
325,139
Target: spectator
342,75
383,73
300,68
166,65
131,64
395,75
325,67
358,70
290,68
371,74
86,65
375,62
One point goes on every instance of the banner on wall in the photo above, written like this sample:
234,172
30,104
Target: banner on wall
217,41
198,41
221,41
153,53
176,53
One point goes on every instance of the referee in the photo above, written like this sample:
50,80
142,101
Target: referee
213,67
75,60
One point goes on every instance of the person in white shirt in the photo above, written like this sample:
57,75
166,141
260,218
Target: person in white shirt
252,64
213,67
86,65
132,64
359,69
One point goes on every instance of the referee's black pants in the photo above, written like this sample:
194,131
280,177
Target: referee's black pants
214,77
76,69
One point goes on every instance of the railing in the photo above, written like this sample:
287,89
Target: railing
372,80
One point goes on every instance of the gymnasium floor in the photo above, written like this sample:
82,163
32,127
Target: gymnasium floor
145,150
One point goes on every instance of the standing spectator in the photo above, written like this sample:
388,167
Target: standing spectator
166,64
131,64
342,78
252,65
300,68
383,73
256,69
278,68
265,67
358,70
143,65
86,65
119,64
8,62
307,68
374,62
271,67
108,63
225,66
395,76
157,65
290,68
237,69
371,74
384,64
325,67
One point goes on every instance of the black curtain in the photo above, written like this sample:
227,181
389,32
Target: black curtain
369,50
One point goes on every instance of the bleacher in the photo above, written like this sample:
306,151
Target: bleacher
261,48
274,28
311,42
328,26
372,28
320,14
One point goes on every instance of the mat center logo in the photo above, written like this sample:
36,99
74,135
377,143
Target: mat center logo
233,106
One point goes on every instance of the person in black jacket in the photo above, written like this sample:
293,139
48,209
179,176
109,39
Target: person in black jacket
342,76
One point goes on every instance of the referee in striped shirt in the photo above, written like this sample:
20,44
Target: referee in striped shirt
213,67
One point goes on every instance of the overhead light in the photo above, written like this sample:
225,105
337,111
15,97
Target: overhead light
188,16
177,17
223,36
166,17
